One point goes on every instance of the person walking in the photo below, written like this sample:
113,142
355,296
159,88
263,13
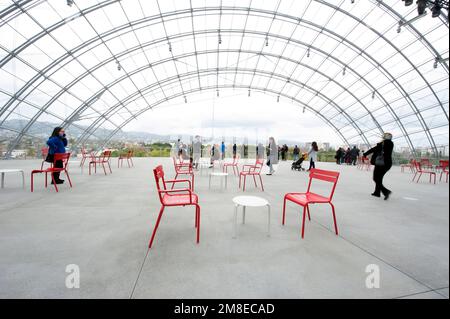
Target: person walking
382,159
57,144
313,155
197,151
273,157
234,150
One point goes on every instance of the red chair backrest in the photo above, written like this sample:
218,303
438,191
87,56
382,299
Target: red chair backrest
158,172
44,152
418,166
236,159
443,164
326,176
178,169
106,155
259,166
64,157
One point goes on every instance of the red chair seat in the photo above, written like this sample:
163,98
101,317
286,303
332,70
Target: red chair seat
250,173
306,198
179,199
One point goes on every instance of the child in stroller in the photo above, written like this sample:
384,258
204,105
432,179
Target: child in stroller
297,166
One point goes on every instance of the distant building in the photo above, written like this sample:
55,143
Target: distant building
18,153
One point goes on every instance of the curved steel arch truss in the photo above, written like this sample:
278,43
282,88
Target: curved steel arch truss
163,18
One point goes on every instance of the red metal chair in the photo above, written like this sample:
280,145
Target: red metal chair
305,199
420,172
101,160
443,166
184,169
128,157
234,165
64,158
44,154
252,170
410,166
426,163
366,164
173,198
86,155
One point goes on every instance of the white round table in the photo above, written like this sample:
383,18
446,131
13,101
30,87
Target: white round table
222,177
249,201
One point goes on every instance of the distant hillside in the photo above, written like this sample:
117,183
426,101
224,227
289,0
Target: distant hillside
44,129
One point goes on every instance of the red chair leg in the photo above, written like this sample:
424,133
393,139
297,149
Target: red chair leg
307,210
198,223
254,180
334,219
193,182
303,222
54,183
104,168
284,212
262,185
46,180
245,181
240,179
109,165
32,182
68,177
156,227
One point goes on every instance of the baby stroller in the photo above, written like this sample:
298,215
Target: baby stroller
297,166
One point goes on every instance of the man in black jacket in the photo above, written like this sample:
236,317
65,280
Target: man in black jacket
382,159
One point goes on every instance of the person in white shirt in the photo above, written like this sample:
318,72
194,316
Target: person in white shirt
313,155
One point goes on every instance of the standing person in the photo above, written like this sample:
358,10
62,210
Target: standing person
313,155
296,153
223,148
382,159
180,149
234,150
260,151
355,154
197,151
338,156
273,157
57,145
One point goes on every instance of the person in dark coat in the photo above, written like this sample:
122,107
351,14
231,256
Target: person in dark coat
384,149
354,154
57,145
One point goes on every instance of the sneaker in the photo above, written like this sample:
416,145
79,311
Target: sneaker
376,195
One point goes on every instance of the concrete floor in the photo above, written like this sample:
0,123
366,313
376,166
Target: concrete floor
103,225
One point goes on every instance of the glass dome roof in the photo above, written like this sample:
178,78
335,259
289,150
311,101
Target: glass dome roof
358,65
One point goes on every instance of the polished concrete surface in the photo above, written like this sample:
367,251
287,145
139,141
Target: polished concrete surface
103,225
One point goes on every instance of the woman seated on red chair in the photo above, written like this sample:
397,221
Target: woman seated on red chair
57,145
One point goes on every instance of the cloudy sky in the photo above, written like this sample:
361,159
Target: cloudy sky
234,114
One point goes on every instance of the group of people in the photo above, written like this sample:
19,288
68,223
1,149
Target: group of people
349,156
381,156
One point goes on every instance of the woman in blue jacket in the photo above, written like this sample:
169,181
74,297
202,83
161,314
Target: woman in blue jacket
57,145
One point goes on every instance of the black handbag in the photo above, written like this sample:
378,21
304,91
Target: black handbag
268,163
379,160
50,158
